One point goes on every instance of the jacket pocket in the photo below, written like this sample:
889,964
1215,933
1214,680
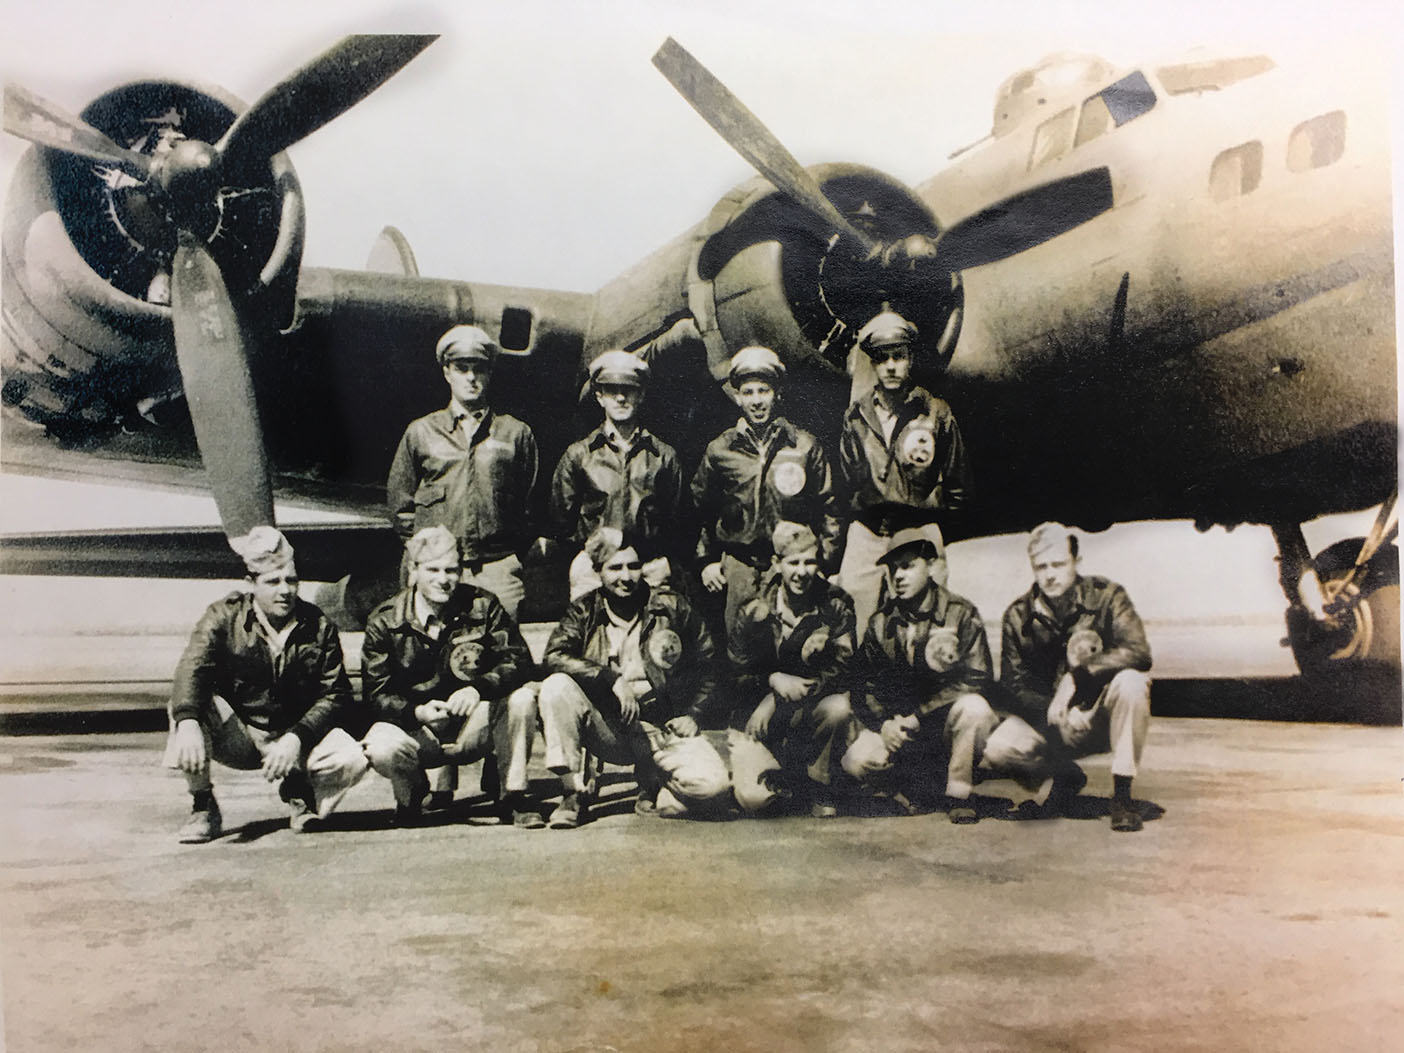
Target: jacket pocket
430,494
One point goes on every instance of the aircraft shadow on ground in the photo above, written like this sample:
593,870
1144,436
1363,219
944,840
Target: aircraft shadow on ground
1366,696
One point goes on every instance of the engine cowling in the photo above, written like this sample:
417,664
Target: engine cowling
87,341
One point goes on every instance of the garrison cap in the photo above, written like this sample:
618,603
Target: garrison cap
604,544
759,362
466,341
924,541
263,549
788,538
886,329
618,367
433,542
1052,536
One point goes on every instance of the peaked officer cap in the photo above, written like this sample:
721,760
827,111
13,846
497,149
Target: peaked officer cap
759,362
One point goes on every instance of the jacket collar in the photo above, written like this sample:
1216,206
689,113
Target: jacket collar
643,440
1078,594
303,615
402,606
913,404
934,605
742,436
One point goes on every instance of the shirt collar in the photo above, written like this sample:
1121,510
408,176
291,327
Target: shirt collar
254,617
608,435
460,413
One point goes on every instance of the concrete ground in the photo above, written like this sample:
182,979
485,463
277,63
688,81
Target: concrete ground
1263,909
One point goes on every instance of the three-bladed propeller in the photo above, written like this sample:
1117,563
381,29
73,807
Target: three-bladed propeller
211,345
1011,226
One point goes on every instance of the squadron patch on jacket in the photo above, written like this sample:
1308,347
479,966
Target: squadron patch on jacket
789,477
664,648
464,659
1082,645
918,447
942,649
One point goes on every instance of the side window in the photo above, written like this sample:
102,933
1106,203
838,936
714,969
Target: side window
1114,105
1318,142
1236,171
1052,139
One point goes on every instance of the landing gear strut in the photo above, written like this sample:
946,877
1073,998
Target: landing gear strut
1343,604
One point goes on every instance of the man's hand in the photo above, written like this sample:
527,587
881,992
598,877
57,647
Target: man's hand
628,701
683,726
896,732
759,724
462,701
1077,721
713,578
190,747
433,714
1058,704
790,687
282,757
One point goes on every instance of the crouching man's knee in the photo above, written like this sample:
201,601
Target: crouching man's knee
1130,687
390,750
558,693
972,711
521,703
866,756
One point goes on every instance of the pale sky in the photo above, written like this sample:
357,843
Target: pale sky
535,144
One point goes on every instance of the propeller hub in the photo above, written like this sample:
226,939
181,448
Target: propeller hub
187,171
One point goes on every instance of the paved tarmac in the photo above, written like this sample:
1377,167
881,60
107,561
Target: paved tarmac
1263,909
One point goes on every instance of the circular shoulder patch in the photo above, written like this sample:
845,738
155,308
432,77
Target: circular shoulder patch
664,648
789,477
918,446
465,658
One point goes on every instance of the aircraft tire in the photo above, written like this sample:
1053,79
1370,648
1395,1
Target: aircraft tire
1369,635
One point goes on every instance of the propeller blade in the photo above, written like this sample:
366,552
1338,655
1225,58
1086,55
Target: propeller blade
747,135
219,390
1026,219
317,93
40,121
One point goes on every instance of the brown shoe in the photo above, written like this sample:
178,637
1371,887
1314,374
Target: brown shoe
1125,819
962,814
568,813
203,824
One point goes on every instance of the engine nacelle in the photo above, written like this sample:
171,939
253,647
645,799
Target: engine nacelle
760,269
87,251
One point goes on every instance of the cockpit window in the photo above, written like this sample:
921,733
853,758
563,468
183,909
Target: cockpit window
1052,138
1110,108
1113,106
1211,75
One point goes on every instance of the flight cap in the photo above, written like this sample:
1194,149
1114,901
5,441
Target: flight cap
263,549
788,538
433,542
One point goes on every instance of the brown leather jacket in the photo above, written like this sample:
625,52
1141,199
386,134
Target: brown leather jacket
403,667
1034,640
896,679
229,656
677,653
